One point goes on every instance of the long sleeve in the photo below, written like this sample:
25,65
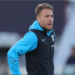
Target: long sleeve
26,44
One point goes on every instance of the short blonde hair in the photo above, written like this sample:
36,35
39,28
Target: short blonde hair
42,6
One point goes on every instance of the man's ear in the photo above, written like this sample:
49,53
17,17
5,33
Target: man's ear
38,19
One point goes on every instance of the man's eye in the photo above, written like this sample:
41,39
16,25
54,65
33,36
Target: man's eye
47,16
52,16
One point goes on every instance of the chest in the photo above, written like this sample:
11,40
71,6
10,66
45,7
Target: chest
45,44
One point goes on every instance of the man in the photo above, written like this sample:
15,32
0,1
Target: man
37,45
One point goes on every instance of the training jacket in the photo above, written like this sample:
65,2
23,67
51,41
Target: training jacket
26,45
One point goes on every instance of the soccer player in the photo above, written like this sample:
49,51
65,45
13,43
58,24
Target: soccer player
37,45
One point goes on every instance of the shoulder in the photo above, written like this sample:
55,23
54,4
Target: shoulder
30,35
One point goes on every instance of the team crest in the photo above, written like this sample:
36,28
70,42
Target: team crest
52,37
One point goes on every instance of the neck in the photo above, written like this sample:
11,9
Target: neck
47,30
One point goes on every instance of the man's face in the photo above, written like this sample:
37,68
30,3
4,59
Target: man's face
46,19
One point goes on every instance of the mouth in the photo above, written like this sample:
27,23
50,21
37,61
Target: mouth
49,24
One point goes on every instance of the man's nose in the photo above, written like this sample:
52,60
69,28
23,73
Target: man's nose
50,18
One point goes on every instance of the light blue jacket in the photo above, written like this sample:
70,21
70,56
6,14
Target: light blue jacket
27,43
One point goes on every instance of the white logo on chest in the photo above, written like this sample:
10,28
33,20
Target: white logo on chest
52,36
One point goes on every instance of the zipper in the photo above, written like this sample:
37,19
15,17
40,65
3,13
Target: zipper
50,53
